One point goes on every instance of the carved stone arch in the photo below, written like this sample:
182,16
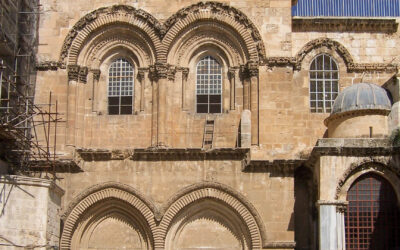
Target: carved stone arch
225,196
77,36
330,44
112,36
198,35
219,13
108,198
381,168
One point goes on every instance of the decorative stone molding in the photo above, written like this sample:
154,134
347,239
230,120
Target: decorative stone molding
221,12
353,113
283,167
31,181
223,194
341,208
344,53
49,65
280,61
232,72
99,193
377,165
280,245
328,24
99,17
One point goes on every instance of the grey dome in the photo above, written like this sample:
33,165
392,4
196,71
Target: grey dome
361,96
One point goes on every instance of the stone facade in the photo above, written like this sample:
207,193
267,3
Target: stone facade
271,178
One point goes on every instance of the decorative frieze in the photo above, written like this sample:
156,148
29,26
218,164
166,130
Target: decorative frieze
49,65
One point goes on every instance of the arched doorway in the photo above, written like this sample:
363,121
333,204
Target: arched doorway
372,218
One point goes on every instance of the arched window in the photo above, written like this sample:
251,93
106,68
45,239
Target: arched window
324,77
372,219
120,87
208,86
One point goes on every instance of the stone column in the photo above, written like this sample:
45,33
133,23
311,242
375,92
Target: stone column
250,96
73,76
159,75
232,87
96,77
331,225
394,116
141,78
185,74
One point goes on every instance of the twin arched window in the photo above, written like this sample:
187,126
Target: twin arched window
120,87
324,86
208,86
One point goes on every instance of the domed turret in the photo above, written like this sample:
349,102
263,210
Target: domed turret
361,96
359,111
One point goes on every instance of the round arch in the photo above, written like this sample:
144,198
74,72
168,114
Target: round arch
105,200
221,14
103,17
225,197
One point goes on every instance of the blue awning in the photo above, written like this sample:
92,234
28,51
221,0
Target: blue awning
347,8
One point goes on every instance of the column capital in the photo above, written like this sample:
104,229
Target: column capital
249,69
96,74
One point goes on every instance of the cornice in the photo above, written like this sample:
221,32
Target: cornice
357,112
334,24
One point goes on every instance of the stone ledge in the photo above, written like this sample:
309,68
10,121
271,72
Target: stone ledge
157,153
345,24
280,245
31,181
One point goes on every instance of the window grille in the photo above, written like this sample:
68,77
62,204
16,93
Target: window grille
372,219
324,86
209,86
120,87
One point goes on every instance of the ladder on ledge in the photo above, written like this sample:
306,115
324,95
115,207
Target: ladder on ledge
208,134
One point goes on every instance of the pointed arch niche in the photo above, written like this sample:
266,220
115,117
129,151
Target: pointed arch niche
110,215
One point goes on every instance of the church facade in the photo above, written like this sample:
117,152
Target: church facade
218,125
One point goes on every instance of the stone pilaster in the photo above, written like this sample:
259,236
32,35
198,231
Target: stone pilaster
331,225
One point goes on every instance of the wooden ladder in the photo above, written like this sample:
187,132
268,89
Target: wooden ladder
208,134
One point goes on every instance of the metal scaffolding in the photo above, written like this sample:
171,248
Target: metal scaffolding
27,130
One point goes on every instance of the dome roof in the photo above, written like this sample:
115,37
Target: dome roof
361,96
